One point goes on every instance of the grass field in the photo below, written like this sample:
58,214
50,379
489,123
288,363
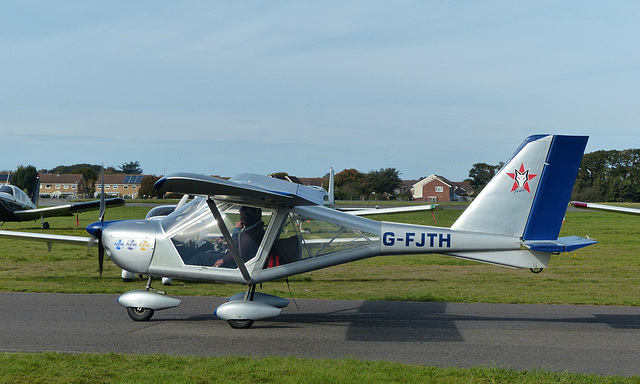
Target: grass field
52,368
603,274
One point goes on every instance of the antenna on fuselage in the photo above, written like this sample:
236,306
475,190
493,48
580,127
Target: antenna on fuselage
332,200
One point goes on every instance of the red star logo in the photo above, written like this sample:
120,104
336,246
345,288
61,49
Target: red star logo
521,179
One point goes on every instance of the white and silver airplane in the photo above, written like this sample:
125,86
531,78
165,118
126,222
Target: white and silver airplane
247,230
15,205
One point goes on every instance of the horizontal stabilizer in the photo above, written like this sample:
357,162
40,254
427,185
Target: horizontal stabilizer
517,258
563,244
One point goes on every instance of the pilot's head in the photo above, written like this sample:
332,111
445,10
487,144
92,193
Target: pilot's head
250,215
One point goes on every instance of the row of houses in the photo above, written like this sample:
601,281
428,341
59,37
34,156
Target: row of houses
73,186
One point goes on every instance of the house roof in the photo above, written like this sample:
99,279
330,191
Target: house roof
457,184
64,178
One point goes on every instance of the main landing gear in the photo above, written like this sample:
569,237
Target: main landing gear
240,311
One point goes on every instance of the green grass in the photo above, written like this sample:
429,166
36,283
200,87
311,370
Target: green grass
54,368
603,274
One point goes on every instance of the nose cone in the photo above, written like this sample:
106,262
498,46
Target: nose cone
95,228
130,244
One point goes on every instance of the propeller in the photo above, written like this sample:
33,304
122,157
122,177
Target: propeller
95,229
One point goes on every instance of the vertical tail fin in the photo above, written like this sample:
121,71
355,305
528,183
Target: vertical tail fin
331,192
35,195
529,195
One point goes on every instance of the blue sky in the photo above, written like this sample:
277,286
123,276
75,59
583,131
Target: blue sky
229,87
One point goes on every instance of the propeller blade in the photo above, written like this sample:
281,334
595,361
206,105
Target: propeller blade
100,256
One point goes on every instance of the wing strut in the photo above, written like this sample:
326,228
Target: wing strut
227,236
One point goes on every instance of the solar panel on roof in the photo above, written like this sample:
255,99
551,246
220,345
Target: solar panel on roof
133,179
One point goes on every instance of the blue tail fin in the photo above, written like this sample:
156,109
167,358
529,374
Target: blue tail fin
528,197
556,185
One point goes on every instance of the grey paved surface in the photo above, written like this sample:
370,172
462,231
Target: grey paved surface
586,339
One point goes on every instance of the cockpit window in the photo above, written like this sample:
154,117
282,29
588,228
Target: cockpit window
200,241
6,189
304,237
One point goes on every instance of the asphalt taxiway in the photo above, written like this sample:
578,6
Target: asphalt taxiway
582,339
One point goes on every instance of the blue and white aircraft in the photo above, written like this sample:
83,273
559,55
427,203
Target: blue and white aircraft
248,230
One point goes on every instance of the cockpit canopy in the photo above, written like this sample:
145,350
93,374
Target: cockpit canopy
16,192
275,238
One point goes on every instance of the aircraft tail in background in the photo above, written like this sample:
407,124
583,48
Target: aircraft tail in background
35,195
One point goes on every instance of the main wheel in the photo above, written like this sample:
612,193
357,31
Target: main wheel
140,314
240,324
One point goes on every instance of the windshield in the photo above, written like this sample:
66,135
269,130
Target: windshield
6,189
200,241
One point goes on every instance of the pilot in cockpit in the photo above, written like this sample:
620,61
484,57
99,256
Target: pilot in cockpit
247,236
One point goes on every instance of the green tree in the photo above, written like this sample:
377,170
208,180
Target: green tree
481,174
612,175
25,179
131,168
384,181
349,184
146,187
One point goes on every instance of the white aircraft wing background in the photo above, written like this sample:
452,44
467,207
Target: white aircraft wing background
609,208
245,189
66,209
47,238
378,211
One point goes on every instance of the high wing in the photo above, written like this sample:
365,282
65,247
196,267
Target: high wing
608,208
245,189
66,209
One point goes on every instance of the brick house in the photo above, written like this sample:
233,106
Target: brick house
438,188
119,185
70,186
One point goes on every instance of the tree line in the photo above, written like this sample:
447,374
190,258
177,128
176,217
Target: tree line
612,176
350,184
